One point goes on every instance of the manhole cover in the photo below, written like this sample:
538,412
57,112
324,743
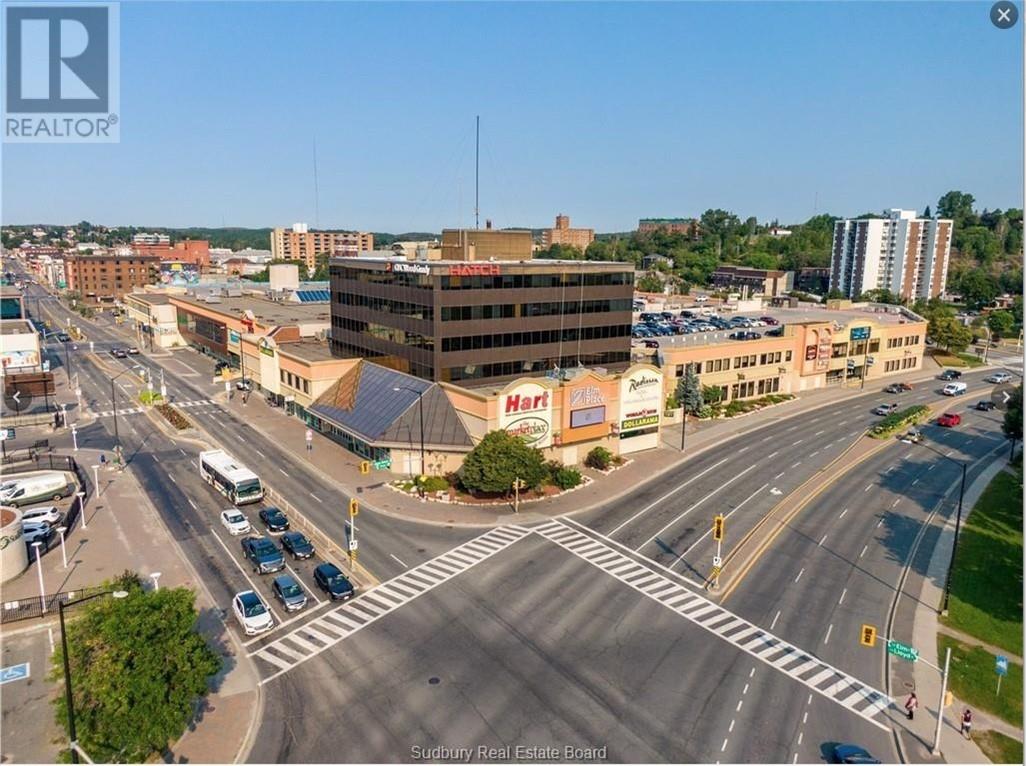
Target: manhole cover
434,680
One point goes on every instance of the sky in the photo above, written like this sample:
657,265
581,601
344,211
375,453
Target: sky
607,112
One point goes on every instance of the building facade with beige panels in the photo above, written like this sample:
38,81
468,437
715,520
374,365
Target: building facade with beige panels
563,234
487,244
302,244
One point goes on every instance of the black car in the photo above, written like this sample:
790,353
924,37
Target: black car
63,337
985,405
274,519
950,375
330,579
776,332
897,388
119,353
297,545
263,554
745,335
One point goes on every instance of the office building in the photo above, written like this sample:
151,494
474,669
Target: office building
300,243
901,253
487,244
562,234
106,278
770,282
484,321
812,279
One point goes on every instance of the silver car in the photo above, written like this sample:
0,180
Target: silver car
289,592
999,377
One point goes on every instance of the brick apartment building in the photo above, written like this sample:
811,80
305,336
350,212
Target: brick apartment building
106,278
300,243
563,234
194,251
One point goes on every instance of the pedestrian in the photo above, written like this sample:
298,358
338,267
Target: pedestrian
309,440
967,723
103,459
911,704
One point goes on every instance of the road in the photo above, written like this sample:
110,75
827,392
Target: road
592,632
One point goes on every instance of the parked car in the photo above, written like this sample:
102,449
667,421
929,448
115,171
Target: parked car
36,531
235,522
745,335
667,315
999,377
51,485
912,436
244,384
331,580
885,409
687,314
289,592
852,754
132,350
252,613
770,321
274,519
297,545
953,389
263,554
950,375
701,298
776,332
949,420
650,343
47,513
63,337
119,353
897,388
985,405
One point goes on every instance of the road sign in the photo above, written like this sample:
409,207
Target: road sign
867,636
717,561
383,464
14,673
1001,665
6,433
902,651
354,544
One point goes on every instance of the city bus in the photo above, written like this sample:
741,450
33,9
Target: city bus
230,477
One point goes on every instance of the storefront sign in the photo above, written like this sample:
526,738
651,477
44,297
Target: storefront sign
586,395
266,348
860,333
474,270
641,399
810,353
233,337
592,416
408,268
526,411
825,347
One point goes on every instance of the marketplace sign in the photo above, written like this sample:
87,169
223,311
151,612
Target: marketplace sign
526,411
641,398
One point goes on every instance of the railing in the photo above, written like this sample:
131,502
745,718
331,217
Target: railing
326,548
27,608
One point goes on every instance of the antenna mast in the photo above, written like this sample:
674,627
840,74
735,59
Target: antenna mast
477,175
317,196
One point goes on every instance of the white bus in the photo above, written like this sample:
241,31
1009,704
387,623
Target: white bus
230,477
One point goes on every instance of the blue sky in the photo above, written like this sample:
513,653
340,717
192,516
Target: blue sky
607,112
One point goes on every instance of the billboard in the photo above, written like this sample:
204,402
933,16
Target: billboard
641,399
526,411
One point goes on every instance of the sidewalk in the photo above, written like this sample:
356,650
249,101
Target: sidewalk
124,531
341,467
954,747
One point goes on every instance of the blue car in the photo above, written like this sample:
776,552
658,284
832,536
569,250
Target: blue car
853,754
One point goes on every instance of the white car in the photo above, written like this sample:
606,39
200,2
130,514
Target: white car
953,389
235,522
999,377
252,613
47,513
33,531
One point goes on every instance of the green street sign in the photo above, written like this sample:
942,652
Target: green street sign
381,465
902,651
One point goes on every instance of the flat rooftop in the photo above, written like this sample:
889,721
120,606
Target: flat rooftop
308,350
152,299
265,311
17,327
448,263
9,291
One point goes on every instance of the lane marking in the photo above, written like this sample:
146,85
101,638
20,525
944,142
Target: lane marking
315,497
896,501
772,454
779,475
751,672
814,453
731,727
192,504
842,513
399,560
739,704
800,573
283,471
801,735
745,690
172,477
822,540
868,487
819,432
724,746
772,625
841,599
829,631
864,549
805,718
798,442
795,465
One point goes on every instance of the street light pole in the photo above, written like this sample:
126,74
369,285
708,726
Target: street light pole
954,546
114,401
420,407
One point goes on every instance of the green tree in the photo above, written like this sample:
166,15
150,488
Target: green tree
881,295
957,206
978,289
499,459
689,391
948,332
835,294
1012,424
650,283
712,394
1001,323
139,665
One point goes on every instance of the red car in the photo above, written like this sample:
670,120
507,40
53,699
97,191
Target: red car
949,419
770,321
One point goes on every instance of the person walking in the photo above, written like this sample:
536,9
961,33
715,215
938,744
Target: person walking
309,440
967,723
911,704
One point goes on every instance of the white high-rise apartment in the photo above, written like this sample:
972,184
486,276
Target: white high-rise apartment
901,253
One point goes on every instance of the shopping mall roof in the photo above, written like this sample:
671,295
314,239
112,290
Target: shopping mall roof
308,350
380,406
264,311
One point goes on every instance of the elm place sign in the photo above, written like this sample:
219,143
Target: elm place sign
902,651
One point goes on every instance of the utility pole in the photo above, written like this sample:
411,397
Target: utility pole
354,510
954,546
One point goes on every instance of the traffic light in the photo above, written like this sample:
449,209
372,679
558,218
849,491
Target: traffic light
868,636
354,506
718,523
365,467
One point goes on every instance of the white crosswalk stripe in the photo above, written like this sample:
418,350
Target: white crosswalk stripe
325,631
805,668
137,410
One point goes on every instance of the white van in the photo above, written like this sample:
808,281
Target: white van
51,485
953,389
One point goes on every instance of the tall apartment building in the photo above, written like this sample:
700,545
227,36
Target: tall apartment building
301,244
900,253
562,234
107,278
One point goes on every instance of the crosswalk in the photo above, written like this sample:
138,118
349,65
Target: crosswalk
137,410
821,677
319,634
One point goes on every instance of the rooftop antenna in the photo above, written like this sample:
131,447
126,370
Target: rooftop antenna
317,197
477,174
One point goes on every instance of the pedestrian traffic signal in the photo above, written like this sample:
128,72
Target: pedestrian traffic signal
365,467
718,523
868,636
354,506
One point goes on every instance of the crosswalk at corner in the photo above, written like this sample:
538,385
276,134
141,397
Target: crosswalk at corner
137,410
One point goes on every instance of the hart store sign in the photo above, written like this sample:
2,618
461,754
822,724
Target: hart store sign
526,411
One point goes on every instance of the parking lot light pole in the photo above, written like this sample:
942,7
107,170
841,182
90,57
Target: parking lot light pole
81,498
39,568
64,553
68,697
420,407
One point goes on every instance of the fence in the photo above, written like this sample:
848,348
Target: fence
27,608
325,546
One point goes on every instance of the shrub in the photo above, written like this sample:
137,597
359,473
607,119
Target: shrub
498,460
434,484
671,402
708,411
899,420
599,458
150,397
563,476
712,394
173,416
